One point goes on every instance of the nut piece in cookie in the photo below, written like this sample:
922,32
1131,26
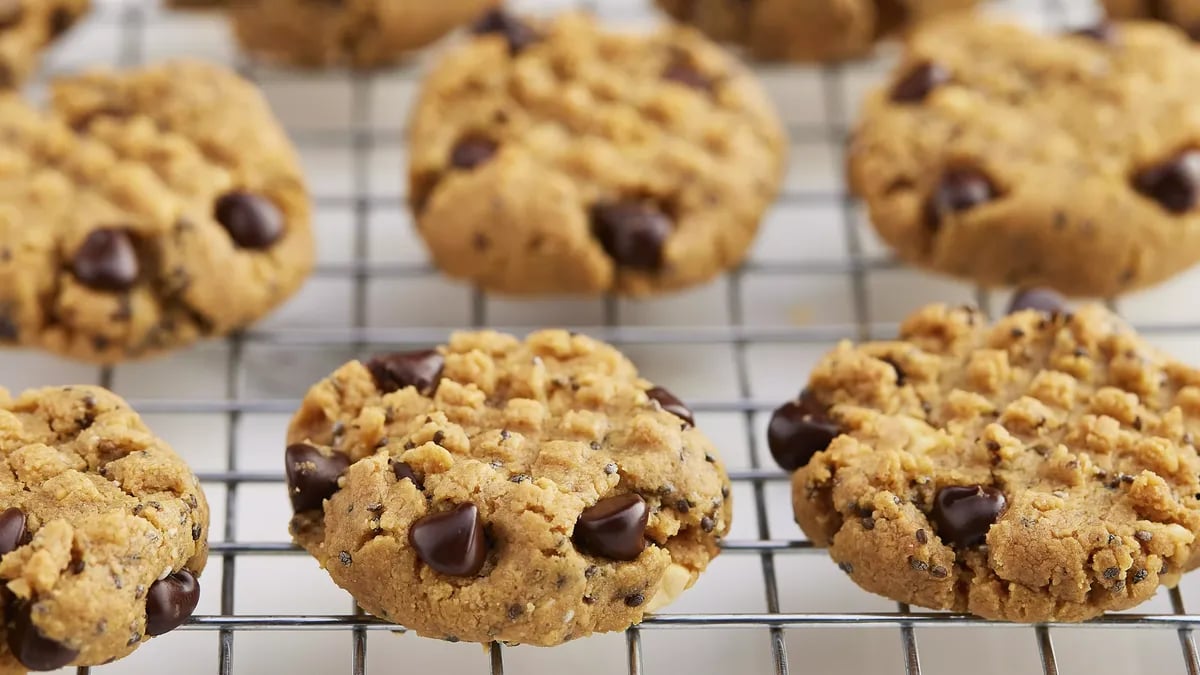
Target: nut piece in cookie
528,491
1039,468
103,531
557,157
1052,162
149,209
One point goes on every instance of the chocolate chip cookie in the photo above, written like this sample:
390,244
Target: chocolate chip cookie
559,157
528,491
103,530
1009,157
807,30
1039,468
359,34
27,27
145,210
1183,13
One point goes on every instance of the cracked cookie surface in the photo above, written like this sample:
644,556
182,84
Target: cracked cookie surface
1041,468
1008,157
147,209
807,30
27,27
559,157
103,530
362,34
528,491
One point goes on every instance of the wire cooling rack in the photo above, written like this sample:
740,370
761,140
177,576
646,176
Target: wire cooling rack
735,349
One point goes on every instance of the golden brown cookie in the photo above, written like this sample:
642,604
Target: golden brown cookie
807,30
1183,13
528,491
560,158
146,210
1008,157
103,530
27,27
1039,468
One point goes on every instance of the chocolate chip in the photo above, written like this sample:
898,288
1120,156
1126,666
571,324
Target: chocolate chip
518,33
404,470
11,12
634,600
345,558
253,221
918,564
1140,576
12,530
1174,184
472,151
963,515
687,75
171,601
919,82
106,261
672,405
614,528
451,542
960,189
922,537
394,372
34,650
938,572
1045,300
1103,32
312,477
1112,572
707,524
632,233
798,430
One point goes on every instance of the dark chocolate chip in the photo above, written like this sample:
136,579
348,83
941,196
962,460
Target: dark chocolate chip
632,233
34,650
312,477
12,530
451,542
1045,300
518,33
798,430
960,189
707,524
1140,576
919,82
1174,184
672,405
922,537
918,564
1103,32
345,558
938,572
253,221
472,151
634,600
393,372
1112,572
171,601
687,75
106,261
614,528
403,470
964,514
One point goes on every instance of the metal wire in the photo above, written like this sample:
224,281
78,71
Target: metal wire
131,21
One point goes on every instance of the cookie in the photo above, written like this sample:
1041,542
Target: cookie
27,27
145,210
1183,13
1039,468
807,30
362,34
1008,157
103,531
528,491
558,157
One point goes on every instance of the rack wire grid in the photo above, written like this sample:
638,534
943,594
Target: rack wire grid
735,348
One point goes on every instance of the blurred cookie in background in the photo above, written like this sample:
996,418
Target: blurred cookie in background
27,27
1183,13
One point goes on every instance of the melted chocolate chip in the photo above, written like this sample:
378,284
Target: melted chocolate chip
253,221
687,75
34,650
919,83
106,261
312,477
12,530
1103,32
393,372
632,233
960,189
518,33
1174,184
672,405
403,470
472,151
798,430
451,542
614,528
1045,300
171,601
964,514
